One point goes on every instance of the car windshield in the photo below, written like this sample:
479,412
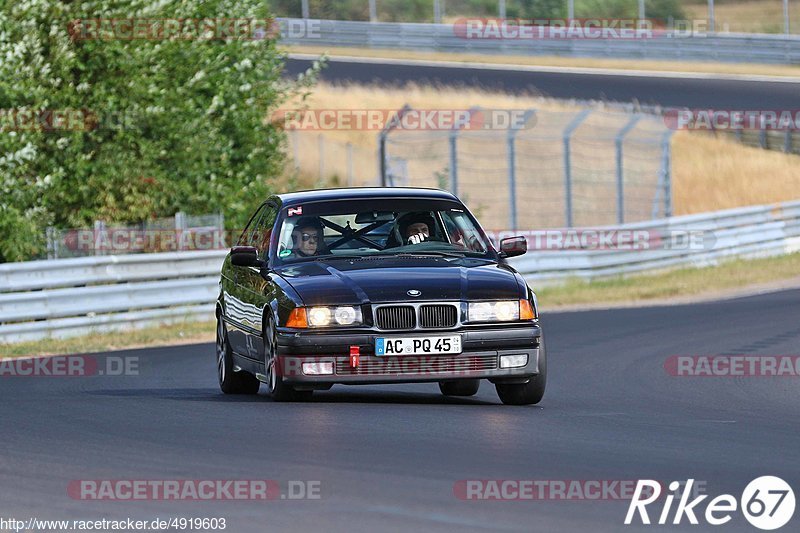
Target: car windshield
379,227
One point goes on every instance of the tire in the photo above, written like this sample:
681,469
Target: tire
529,393
278,390
231,382
463,387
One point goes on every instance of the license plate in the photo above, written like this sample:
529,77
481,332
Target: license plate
418,345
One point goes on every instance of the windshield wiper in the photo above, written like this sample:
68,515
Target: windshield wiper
436,254
339,256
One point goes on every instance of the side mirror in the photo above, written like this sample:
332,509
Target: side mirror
513,246
246,256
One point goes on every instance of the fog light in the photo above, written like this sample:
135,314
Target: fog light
317,369
513,361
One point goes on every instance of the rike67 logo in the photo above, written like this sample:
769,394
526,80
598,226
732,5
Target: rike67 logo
767,503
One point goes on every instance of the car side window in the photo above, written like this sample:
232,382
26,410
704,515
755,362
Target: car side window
262,230
244,238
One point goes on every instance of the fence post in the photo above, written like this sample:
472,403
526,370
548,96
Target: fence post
52,245
641,11
180,227
99,227
437,11
454,150
382,136
512,181
453,161
787,141
373,11
296,149
568,163
501,9
321,148
786,25
349,164
711,22
571,9
222,240
512,168
620,172
304,8
664,177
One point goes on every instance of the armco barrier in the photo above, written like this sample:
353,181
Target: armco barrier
68,297
726,47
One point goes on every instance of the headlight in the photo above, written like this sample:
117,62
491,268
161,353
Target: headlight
345,315
502,311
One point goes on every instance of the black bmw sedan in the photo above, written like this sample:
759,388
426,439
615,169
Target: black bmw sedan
375,285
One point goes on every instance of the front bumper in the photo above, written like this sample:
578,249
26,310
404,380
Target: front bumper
482,348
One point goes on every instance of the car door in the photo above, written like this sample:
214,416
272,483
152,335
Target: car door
234,296
256,289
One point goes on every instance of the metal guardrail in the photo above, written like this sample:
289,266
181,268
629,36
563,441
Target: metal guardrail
748,232
68,297
724,47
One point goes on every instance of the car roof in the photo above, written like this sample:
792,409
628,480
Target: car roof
355,193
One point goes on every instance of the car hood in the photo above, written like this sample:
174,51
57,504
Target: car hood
380,280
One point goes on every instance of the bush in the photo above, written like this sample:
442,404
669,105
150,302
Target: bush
654,9
172,124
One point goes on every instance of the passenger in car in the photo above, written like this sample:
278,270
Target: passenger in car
416,227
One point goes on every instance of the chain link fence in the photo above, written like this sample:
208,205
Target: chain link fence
563,169
774,16
332,162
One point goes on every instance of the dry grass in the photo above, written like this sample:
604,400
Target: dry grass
715,173
557,61
166,335
757,16
708,173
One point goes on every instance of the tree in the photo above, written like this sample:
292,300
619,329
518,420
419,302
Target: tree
125,129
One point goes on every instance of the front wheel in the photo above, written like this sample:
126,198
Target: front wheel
280,391
231,382
528,393
522,393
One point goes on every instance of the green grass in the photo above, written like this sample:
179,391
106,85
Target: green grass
711,281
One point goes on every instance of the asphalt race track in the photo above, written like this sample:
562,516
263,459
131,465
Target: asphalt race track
387,458
650,90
